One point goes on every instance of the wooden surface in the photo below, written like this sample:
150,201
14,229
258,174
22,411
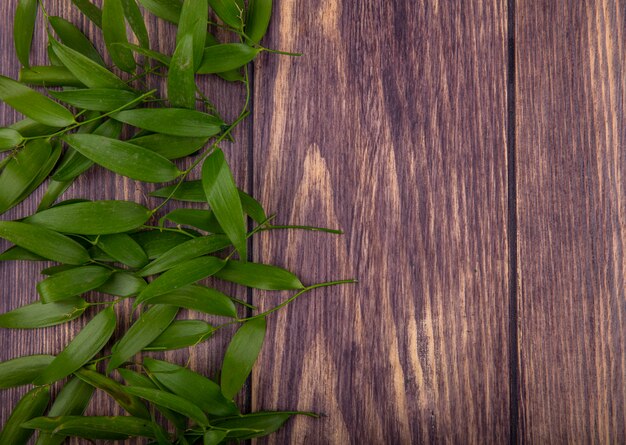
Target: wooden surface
482,202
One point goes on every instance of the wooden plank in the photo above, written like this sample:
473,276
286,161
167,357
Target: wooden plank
570,127
392,127
17,280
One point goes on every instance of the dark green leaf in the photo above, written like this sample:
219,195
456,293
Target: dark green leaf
170,401
44,242
34,105
30,128
9,138
181,82
43,173
131,404
122,284
193,25
71,36
259,14
166,9
49,76
90,10
232,12
170,147
98,99
124,249
185,383
223,198
39,315
252,207
87,343
85,69
23,29
199,298
155,242
56,269
17,253
214,437
201,219
93,218
225,57
188,250
174,121
54,190
181,334
261,424
73,282
241,355
181,275
135,20
72,400
148,327
33,404
94,427
124,158
259,276
114,31
23,370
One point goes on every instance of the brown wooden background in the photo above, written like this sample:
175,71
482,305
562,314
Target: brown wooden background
472,152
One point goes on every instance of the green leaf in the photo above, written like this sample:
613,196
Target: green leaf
9,138
173,121
87,343
241,355
23,370
170,147
181,81
91,11
181,334
136,22
191,386
33,404
23,29
225,57
72,400
261,424
39,315
166,9
259,276
131,404
54,190
148,327
155,242
252,207
49,76
30,128
114,31
43,173
44,242
34,105
259,15
223,198
94,427
193,26
201,219
232,12
213,437
188,250
53,270
124,249
124,158
93,217
170,401
98,99
17,253
21,171
73,37
181,275
73,282
85,69
122,284
199,298
159,57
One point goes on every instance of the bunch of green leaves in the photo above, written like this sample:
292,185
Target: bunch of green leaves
112,248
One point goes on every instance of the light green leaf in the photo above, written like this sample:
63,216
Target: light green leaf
259,424
259,276
214,437
144,331
223,198
170,401
198,218
92,217
87,343
30,128
181,334
91,11
124,249
34,105
259,15
124,158
72,282
170,147
173,121
193,25
114,31
98,99
181,81
94,427
73,37
232,12
39,315
23,370
225,57
23,29
33,404
199,298
9,138
44,242
49,76
122,284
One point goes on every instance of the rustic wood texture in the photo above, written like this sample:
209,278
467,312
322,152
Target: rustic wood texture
570,92
392,127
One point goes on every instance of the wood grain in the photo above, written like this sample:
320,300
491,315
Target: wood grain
392,127
570,65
